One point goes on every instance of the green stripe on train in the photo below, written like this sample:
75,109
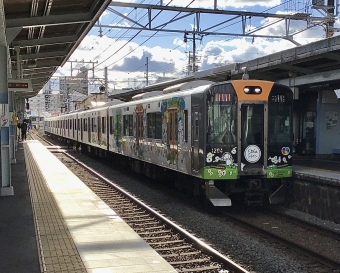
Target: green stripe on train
279,172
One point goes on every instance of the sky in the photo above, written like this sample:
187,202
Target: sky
128,53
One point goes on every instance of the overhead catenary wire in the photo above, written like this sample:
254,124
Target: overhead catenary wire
130,41
137,34
152,36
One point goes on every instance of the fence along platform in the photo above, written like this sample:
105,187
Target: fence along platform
76,231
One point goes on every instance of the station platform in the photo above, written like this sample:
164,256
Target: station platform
315,168
55,223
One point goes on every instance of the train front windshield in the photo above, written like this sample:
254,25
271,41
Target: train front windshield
279,117
252,125
221,127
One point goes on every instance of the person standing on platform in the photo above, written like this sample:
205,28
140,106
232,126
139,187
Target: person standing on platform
23,131
19,130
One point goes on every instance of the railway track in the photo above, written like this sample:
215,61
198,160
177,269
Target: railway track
318,244
180,248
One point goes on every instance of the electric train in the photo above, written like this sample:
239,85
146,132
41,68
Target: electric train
226,141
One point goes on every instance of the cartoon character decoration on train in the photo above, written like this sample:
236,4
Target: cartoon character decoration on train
281,161
227,158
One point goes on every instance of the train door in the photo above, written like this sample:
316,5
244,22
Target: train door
99,122
172,132
195,138
252,139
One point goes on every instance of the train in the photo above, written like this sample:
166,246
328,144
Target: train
225,142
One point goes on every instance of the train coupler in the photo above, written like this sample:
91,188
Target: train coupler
254,199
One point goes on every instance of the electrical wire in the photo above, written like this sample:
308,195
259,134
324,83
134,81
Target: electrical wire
137,34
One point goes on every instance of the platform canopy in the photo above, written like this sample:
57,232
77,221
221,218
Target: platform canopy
44,34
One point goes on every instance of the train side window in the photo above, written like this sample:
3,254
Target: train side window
103,125
111,125
94,125
154,125
158,126
85,124
151,125
170,128
128,125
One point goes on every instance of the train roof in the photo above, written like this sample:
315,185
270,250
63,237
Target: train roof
198,89
186,85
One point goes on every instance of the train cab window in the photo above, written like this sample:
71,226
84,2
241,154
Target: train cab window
222,118
112,125
279,113
252,124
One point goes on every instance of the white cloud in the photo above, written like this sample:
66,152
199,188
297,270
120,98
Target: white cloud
126,61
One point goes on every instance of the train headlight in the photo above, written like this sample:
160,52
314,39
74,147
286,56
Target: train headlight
258,90
252,90
246,90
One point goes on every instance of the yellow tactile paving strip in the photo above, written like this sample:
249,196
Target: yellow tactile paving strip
57,251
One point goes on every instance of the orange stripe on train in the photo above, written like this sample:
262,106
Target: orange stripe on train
240,84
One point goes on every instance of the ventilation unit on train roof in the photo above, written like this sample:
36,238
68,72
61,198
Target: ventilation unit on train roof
186,85
147,95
